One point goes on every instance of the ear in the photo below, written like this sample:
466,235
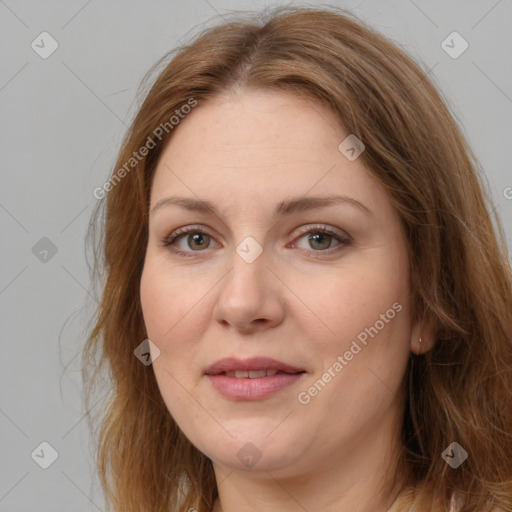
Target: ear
422,328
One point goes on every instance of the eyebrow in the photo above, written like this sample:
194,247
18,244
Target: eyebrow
284,208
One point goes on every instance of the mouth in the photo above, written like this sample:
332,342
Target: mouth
251,379
253,368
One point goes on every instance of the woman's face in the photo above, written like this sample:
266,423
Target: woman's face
257,278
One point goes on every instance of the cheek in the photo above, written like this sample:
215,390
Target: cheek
364,313
167,298
175,315
165,308
154,302
346,301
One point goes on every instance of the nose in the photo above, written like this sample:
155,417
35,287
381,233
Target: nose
250,297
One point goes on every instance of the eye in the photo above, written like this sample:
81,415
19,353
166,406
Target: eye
319,239
195,237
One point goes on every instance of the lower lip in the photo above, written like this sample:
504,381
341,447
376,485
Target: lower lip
252,389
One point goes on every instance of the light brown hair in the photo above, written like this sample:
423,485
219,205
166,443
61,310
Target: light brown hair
461,282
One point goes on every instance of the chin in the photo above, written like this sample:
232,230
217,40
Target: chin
253,451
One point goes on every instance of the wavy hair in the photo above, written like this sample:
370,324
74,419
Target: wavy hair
461,282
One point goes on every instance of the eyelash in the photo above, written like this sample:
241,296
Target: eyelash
169,240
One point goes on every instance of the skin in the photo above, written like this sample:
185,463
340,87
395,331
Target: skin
299,302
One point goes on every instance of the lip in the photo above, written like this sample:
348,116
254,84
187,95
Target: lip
229,364
252,388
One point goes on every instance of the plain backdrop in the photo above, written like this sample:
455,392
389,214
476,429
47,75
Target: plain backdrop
62,120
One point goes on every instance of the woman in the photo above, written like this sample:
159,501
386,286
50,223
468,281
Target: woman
307,305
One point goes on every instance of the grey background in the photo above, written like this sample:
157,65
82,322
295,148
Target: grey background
62,119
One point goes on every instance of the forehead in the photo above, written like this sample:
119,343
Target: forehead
260,146
257,116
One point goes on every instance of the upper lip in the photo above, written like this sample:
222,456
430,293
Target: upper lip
230,364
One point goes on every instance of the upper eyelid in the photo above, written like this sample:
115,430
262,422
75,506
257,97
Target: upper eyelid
193,228
176,235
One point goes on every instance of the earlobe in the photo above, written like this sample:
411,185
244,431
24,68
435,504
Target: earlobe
416,345
420,344
423,334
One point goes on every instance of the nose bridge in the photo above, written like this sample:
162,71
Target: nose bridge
249,250
248,293
247,276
